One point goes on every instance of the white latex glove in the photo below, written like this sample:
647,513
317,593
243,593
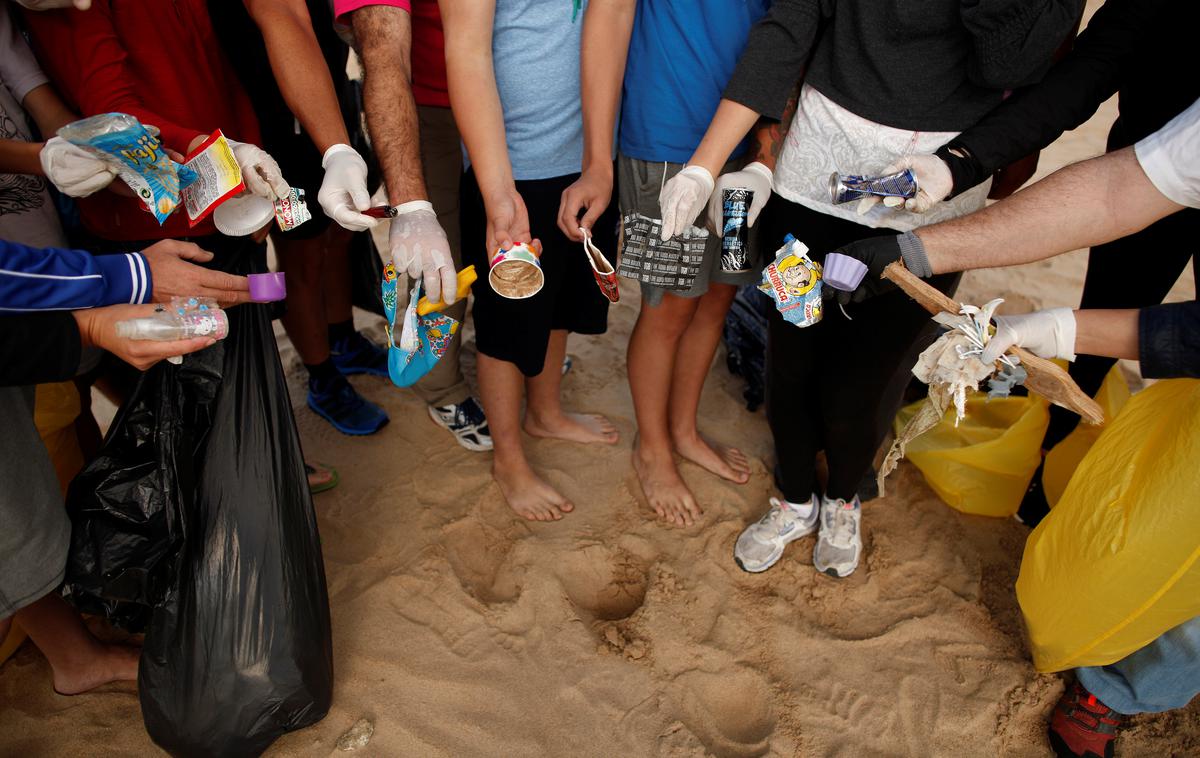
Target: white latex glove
45,5
344,191
934,182
1049,333
755,177
682,198
419,246
260,172
75,171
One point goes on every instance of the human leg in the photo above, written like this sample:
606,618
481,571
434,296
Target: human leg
544,414
80,662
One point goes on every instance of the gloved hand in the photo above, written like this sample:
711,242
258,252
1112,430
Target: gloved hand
755,177
260,172
1049,333
419,246
878,253
682,198
934,182
344,190
75,171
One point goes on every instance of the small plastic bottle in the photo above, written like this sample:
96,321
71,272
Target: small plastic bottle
185,319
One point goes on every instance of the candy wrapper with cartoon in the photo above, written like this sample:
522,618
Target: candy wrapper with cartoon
415,342
793,280
138,156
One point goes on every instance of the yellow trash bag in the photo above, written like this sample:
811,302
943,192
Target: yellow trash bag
56,406
1114,565
983,465
16,635
1062,461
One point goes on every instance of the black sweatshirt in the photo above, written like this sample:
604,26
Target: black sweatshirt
38,347
1169,340
936,65
1143,48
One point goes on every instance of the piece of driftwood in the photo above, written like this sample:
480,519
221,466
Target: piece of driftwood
1045,377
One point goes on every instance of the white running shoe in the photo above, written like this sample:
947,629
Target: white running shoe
840,542
762,543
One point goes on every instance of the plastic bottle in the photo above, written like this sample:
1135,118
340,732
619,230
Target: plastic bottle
185,319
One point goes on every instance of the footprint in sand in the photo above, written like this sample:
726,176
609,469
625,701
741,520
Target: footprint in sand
602,582
478,553
729,711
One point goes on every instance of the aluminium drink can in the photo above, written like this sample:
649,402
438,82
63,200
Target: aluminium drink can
844,188
735,250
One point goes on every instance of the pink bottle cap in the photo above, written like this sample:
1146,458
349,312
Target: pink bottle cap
267,288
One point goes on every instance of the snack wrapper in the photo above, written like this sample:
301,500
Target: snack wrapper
218,177
793,280
137,154
415,342
292,211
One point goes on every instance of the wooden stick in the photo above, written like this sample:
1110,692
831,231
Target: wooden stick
1044,377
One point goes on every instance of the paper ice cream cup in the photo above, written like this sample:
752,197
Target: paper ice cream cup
843,272
516,273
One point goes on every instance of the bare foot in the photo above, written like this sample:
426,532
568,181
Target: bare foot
589,428
105,664
529,495
722,460
668,495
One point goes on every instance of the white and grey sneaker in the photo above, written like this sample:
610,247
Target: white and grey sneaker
466,422
839,544
762,543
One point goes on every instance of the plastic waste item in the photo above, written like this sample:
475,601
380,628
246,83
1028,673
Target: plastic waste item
421,340
1117,562
292,211
268,288
843,272
466,278
184,319
602,271
1064,459
138,155
793,281
1005,379
218,182
243,215
844,188
516,273
381,211
982,464
195,524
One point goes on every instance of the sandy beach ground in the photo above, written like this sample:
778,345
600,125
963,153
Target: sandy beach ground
460,630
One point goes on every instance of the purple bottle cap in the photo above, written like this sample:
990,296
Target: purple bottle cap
843,272
267,288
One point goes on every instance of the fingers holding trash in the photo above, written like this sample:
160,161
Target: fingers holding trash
755,177
172,274
933,179
98,328
508,220
583,202
682,199
344,194
419,246
1049,334
260,172
73,170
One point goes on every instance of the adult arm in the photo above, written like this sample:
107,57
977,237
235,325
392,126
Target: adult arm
607,27
1012,40
475,100
37,279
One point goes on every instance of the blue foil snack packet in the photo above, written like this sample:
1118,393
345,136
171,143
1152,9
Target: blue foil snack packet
793,281
137,154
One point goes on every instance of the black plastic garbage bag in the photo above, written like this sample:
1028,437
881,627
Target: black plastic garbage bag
196,520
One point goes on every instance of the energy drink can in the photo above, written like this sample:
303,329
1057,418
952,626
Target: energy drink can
844,188
735,253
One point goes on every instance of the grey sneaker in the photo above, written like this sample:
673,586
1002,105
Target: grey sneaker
840,542
762,543
466,422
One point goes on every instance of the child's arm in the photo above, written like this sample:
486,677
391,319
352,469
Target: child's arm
607,26
467,25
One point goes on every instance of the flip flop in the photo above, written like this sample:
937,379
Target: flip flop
602,270
321,468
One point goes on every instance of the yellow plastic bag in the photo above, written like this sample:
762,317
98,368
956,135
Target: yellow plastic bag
1115,564
1062,461
983,465
56,406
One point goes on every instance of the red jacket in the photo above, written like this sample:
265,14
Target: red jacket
159,61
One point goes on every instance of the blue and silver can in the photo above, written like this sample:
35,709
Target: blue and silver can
844,188
735,207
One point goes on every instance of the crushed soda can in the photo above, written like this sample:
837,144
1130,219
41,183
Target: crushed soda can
844,188
292,211
793,281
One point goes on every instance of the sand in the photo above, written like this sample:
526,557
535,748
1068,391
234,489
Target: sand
460,630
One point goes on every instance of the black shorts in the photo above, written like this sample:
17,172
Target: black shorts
518,331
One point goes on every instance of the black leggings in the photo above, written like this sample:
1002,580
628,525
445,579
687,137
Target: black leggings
1133,272
836,385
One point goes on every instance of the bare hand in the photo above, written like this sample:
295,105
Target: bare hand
173,276
508,221
97,327
591,191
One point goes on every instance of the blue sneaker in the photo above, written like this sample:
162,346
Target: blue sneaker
358,355
339,404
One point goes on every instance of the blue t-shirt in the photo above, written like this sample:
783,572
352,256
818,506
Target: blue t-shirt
535,53
681,56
